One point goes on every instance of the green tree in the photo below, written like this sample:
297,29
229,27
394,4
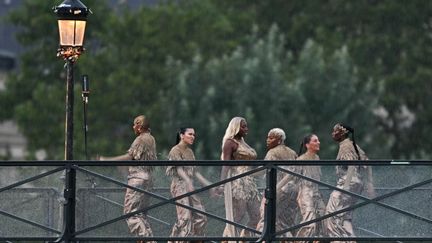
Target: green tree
261,82
125,58
389,42
248,82
34,96
331,92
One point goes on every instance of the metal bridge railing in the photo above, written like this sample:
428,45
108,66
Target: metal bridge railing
87,205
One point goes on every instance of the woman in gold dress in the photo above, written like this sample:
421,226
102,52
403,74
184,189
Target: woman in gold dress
189,223
143,148
286,207
352,178
309,198
241,195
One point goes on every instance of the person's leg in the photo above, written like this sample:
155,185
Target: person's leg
239,211
199,221
138,224
253,210
183,224
308,212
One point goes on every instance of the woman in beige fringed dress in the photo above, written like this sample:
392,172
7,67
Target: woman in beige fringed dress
143,148
286,207
189,223
309,197
352,178
241,195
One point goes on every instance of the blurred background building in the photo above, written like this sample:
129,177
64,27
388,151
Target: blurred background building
12,142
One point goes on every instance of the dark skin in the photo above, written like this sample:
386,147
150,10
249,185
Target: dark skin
273,141
138,129
338,135
239,207
230,147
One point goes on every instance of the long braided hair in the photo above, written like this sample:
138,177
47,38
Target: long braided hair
350,130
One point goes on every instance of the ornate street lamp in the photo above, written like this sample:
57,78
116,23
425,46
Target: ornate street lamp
72,16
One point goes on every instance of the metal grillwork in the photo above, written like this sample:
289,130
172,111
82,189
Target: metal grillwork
34,195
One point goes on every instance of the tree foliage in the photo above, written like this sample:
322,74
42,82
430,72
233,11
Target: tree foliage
389,41
127,50
197,62
261,82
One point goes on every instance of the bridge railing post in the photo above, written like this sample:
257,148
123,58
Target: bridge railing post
270,205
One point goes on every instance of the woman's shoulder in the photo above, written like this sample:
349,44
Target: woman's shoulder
290,152
230,142
174,148
174,152
281,152
348,152
145,141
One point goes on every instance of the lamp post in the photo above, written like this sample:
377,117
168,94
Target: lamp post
72,16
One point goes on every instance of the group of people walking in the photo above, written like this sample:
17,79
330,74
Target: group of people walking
298,200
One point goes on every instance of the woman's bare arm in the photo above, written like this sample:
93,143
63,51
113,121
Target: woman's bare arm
115,158
227,151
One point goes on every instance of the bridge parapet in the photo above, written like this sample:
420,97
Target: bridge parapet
31,208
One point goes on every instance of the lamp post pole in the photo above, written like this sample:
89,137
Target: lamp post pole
69,110
70,179
72,16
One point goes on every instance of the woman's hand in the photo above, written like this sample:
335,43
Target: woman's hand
370,190
217,191
214,193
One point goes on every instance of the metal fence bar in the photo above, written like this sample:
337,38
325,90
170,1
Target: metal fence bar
121,205
30,200
13,216
367,201
30,179
97,163
74,165
269,229
100,238
69,214
49,193
169,200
